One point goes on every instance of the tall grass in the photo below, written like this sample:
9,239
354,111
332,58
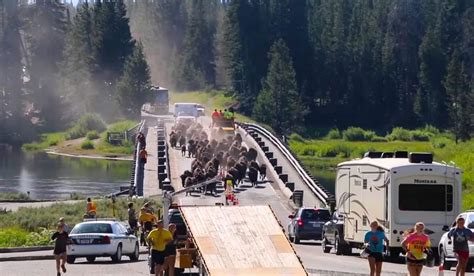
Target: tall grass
47,140
34,219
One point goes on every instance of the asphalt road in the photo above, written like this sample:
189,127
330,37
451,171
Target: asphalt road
311,254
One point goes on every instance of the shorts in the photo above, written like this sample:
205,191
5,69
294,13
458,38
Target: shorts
158,257
59,253
462,255
170,250
133,224
415,262
377,256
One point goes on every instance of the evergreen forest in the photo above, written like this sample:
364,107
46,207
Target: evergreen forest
295,65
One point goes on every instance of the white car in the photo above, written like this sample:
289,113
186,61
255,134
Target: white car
93,239
445,247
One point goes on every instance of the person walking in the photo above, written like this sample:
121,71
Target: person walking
415,244
158,238
65,226
146,220
60,238
132,218
183,150
460,236
215,117
374,241
171,250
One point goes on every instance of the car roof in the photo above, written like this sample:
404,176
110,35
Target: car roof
313,208
99,221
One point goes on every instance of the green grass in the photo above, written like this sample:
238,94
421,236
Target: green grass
87,144
213,99
32,226
14,196
46,140
322,156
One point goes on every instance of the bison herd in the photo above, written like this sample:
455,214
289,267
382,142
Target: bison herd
228,158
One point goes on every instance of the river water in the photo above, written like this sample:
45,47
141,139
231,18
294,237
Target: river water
56,177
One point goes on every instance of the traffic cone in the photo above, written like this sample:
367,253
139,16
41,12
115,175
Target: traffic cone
441,270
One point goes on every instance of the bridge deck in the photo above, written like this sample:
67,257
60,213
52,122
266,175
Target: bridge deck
150,179
241,240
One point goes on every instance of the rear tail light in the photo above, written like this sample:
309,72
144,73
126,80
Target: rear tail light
300,222
105,239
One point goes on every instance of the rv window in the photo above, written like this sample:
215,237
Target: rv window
435,197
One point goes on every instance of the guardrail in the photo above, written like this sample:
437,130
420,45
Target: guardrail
319,191
164,172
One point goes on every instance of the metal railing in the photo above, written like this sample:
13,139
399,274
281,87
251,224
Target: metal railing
315,187
136,185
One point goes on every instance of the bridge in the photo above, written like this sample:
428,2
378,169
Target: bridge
288,185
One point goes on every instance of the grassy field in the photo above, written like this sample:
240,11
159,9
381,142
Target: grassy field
322,156
33,226
213,99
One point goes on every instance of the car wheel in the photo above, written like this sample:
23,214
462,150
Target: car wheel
442,257
70,259
90,259
297,239
136,254
118,255
324,245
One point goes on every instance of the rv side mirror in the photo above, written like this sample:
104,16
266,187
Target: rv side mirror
340,217
445,228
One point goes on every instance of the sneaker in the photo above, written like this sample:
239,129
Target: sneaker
64,268
59,274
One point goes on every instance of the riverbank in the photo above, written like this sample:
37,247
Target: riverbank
86,142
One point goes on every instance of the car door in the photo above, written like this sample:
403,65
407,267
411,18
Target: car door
122,234
291,224
449,243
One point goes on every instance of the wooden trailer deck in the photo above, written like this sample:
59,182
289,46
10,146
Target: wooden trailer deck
241,240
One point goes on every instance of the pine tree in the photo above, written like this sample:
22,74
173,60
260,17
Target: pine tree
278,103
459,95
134,86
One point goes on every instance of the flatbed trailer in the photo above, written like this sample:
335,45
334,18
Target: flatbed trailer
240,240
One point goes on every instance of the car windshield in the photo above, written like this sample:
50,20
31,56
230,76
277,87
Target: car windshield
92,228
315,214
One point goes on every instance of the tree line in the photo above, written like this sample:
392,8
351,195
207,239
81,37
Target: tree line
58,62
295,65
374,64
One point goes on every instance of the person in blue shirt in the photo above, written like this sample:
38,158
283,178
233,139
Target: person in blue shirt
374,242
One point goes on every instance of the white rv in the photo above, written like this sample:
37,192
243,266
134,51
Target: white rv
397,190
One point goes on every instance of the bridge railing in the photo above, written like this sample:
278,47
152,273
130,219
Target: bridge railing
136,185
320,192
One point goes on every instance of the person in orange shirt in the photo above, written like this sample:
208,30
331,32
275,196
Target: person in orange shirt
143,156
215,117
91,209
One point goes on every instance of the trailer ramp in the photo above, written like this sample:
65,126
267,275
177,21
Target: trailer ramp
241,240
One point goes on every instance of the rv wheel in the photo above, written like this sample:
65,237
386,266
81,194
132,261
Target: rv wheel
340,248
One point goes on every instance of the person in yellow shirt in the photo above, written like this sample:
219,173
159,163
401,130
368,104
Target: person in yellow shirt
146,219
158,238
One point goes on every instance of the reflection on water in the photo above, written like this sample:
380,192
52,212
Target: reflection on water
54,177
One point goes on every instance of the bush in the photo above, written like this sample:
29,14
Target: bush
430,129
92,135
334,134
87,144
419,135
399,134
297,138
14,196
357,134
86,123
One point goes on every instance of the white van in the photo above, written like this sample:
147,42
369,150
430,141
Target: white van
397,190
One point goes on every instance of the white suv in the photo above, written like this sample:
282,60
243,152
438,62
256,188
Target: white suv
93,239
445,247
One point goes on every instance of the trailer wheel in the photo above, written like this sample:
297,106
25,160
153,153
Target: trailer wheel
324,245
340,248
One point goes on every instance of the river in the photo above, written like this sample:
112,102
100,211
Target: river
56,177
